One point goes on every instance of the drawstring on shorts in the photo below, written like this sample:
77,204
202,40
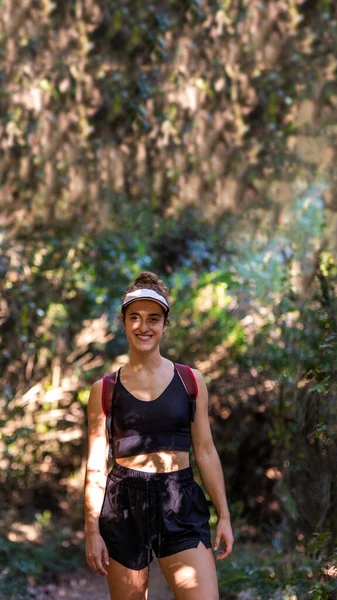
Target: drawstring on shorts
158,522
148,542
159,525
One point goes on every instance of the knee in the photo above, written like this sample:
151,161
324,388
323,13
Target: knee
136,595
136,592
136,589
127,584
202,594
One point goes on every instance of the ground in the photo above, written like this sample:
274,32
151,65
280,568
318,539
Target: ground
85,585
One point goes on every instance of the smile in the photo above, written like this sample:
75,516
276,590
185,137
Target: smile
144,338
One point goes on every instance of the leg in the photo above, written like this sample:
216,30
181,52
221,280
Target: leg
191,574
127,584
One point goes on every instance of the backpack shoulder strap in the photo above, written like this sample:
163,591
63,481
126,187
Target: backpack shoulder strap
107,392
107,395
187,377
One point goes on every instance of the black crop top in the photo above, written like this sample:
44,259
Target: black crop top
141,427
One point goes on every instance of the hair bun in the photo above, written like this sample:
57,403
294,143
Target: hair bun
150,280
147,278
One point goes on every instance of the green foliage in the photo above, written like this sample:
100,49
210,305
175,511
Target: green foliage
267,575
29,564
200,307
167,106
322,591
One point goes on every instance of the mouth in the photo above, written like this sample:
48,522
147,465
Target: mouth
144,338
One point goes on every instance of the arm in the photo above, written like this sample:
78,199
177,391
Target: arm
210,468
95,481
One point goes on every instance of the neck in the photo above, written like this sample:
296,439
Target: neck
149,361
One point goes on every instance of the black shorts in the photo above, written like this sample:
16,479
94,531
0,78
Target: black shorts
143,511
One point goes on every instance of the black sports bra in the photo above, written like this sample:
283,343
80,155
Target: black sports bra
141,427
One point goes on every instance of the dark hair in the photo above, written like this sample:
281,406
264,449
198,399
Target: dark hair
151,281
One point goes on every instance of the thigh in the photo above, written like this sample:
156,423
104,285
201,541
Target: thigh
191,574
127,584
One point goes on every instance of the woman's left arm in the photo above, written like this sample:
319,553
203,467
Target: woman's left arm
210,468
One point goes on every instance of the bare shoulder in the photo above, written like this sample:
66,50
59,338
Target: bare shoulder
202,396
95,396
96,387
97,440
200,380
97,384
202,440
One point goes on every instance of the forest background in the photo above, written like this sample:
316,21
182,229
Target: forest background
196,139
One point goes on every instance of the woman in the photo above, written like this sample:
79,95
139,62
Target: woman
150,501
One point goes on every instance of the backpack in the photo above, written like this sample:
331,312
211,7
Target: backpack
186,375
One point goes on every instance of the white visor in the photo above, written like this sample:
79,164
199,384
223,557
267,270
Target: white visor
146,294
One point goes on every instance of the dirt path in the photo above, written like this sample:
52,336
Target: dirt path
85,585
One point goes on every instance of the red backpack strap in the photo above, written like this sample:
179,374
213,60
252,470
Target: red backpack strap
107,395
107,392
187,377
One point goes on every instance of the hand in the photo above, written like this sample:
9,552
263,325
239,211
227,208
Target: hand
224,532
96,553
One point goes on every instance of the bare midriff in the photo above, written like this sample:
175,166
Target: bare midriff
157,462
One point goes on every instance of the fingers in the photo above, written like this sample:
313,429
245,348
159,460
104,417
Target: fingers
95,563
226,551
97,555
105,556
217,542
99,566
222,555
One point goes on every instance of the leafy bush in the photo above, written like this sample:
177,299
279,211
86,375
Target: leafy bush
267,575
27,564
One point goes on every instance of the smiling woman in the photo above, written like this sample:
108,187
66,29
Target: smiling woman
150,497
143,322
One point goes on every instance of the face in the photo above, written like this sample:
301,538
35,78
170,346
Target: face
144,324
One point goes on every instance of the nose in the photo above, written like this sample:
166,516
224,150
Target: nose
143,327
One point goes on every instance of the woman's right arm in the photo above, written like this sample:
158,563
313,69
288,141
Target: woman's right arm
95,481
